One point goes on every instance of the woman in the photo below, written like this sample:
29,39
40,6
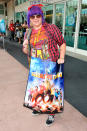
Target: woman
12,30
44,41
24,27
18,32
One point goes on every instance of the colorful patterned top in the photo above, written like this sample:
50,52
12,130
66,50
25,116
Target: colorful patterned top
55,38
39,44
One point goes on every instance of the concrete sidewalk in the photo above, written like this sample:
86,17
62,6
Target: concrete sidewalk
15,117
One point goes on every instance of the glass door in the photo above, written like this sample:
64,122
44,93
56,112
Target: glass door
48,12
59,16
82,41
71,15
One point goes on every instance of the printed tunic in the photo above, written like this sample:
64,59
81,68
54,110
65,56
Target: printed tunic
45,86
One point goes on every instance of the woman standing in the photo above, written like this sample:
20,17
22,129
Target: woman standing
43,94
24,27
12,30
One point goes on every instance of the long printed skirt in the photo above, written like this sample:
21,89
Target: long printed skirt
45,86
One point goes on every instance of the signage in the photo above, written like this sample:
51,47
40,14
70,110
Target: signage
70,20
40,1
2,26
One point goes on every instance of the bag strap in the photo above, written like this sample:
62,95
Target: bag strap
28,38
29,33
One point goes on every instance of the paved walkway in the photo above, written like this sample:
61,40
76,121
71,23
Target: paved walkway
15,117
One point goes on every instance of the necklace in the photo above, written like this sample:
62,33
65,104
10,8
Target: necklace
36,37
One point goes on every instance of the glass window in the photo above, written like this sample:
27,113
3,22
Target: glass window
19,2
25,16
24,0
1,6
17,16
82,41
1,9
48,13
21,16
71,9
2,12
16,2
59,16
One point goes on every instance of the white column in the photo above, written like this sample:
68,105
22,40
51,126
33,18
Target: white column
77,24
10,10
64,19
54,11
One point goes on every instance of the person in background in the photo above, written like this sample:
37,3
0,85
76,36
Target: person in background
18,31
12,30
44,41
24,27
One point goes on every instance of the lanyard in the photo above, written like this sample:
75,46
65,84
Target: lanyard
36,38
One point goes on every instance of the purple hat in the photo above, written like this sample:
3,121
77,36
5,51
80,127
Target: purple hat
34,10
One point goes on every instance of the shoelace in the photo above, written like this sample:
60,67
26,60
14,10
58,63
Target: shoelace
51,118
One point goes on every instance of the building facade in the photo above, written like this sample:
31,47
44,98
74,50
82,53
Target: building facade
69,15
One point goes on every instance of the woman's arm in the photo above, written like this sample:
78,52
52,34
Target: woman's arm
60,41
25,46
62,53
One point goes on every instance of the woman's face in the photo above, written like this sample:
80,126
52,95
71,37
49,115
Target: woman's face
11,21
36,20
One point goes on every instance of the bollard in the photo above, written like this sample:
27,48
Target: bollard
3,42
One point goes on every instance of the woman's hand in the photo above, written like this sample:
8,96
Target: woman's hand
62,54
60,61
25,46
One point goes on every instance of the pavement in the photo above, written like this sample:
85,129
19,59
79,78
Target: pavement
15,117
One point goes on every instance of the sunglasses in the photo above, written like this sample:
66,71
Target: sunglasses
35,16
